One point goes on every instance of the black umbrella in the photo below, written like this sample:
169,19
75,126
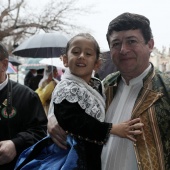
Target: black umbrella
46,45
14,61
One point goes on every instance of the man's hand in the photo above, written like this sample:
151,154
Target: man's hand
128,129
57,134
7,151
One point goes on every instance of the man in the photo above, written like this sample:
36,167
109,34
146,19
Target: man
34,81
22,117
137,90
31,73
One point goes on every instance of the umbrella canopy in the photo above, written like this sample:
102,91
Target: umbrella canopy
44,45
57,62
11,69
14,61
33,63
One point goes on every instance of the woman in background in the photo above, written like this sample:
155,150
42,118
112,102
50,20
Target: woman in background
47,85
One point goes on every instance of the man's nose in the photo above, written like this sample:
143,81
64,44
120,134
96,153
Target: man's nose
124,47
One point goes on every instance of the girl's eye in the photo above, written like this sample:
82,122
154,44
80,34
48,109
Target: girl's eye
75,52
88,53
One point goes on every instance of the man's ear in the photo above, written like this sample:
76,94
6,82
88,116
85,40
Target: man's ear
150,45
65,60
5,64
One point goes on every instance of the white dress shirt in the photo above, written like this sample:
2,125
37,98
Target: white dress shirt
2,85
118,153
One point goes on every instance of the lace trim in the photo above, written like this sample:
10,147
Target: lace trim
89,100
72,92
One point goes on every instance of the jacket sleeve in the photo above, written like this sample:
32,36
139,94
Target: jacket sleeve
31,120
73,119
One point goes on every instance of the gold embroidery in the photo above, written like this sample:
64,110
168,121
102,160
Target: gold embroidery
5,102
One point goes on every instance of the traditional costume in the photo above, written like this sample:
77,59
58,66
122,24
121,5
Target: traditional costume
80,111
148,97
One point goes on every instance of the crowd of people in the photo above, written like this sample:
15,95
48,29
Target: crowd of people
133,134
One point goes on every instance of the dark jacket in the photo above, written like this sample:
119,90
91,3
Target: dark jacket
27,122
27,78
34,82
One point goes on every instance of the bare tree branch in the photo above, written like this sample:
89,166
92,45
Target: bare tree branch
16,23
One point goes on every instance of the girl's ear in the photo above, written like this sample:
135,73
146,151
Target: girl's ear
65,60
97,64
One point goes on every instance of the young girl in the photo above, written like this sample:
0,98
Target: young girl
79,106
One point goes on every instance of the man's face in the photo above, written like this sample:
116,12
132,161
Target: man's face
3,68
129,52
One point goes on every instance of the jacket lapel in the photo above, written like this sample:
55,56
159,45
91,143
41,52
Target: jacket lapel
146,100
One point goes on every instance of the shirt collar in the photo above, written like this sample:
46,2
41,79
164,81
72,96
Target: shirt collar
139,78
2,85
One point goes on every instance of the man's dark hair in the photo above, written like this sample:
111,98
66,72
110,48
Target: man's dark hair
3,52
130,21
40,71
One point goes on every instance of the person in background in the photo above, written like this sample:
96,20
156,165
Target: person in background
47,85
31,73
35,80
22,117
138,89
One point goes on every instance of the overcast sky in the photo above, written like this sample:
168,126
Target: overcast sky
158,11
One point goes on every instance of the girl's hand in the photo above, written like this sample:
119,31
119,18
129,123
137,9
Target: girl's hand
128,129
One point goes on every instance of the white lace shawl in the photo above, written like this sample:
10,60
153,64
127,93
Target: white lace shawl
75,89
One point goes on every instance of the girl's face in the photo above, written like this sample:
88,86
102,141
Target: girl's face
81,58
